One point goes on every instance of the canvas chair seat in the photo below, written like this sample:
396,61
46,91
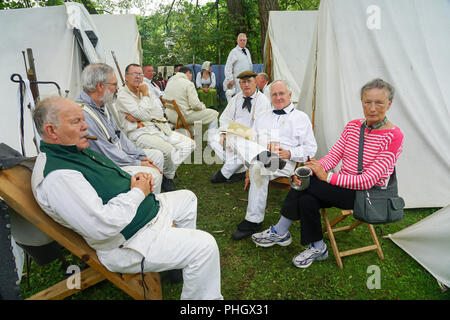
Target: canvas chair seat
15,189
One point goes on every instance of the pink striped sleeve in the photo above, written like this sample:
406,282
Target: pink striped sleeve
378,170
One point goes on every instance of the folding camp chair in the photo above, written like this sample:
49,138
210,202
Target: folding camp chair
15,189
283,183
328,229
180,123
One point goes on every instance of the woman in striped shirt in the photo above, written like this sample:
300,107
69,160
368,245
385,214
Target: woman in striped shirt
382,147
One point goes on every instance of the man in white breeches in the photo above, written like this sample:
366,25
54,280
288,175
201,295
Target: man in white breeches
289,134
142,118
243,108
132,229
239,60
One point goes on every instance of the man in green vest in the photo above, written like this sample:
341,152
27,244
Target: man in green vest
118,215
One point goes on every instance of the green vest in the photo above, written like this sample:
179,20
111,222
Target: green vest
108,179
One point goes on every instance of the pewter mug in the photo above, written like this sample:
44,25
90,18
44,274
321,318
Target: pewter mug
303,173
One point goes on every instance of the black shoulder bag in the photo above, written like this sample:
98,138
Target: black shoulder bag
377,205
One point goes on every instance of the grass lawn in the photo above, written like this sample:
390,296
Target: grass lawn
249,272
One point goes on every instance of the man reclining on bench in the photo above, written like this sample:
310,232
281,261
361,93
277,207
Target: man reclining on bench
117,214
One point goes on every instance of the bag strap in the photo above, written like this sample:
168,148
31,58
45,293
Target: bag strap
392,178
361,148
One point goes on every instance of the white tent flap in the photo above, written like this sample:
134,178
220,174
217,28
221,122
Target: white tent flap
428,242
405,43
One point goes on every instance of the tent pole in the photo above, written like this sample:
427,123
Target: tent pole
314,91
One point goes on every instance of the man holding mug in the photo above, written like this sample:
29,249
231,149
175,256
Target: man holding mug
289,131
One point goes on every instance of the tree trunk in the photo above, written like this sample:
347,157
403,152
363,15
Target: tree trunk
237,13
264,6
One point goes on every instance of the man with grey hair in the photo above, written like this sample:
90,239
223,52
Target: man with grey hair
287,133
99,90
262,81
239,60
132,229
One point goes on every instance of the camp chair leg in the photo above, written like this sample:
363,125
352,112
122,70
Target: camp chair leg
330,231
375,240
61,290
336,252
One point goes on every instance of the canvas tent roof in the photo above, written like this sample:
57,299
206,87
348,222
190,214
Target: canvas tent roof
287,46
403,42
57,54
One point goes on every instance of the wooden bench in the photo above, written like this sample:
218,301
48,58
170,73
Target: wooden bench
15,189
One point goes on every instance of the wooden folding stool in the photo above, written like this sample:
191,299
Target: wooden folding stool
328,229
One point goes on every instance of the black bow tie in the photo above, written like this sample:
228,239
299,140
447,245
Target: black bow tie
247,103
279,112
245,52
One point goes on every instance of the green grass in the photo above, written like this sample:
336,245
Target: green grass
249,272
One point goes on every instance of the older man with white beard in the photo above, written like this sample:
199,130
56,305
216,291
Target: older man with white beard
99,90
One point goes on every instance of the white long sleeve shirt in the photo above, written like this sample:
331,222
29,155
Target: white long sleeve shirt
234,112
293,130
211,81
237,62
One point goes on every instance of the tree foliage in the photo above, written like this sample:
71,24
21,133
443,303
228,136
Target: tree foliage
184,31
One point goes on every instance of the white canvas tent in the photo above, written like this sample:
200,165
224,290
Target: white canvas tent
119,33
427,242
287,46
58,57
405,42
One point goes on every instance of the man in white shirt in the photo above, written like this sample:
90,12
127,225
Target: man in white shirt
132,229
238,60
243,108
181,89
289,133
149,73
262,81
143,121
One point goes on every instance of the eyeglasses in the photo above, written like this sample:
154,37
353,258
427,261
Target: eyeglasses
114,84
135,74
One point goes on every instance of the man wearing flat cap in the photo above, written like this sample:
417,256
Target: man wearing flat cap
243,108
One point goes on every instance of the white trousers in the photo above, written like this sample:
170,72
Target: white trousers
258,174
176,148
232,163
179,247
158,160
259,188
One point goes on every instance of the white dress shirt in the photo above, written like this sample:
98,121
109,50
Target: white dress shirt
293,130
234,112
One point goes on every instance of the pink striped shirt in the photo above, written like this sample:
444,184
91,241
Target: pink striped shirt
381,151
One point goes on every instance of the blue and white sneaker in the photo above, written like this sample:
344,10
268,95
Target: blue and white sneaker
269,237
308,256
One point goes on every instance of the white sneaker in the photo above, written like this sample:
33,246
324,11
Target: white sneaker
269,237
308,256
